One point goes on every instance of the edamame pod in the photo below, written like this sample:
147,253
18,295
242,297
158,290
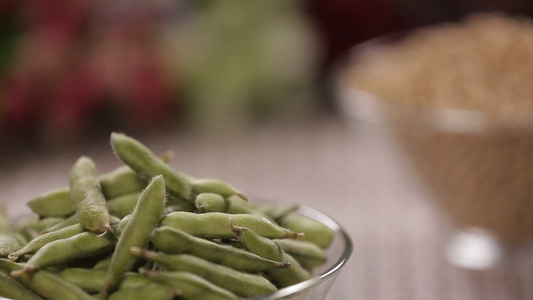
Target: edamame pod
40,241
46,284
147,165
177,204
173,208
173,241
4,221
86,197
22,227
315,232
237,205
43,224
152,291
143,220
268,249
8,244
72,220
122,206
103,264
65,250
240,283
306,253
276,211
210,202
215,225
20,238
90,281
216,186
12,289
55,203
123,180
120,181
133,280
114,220
191,286
122,225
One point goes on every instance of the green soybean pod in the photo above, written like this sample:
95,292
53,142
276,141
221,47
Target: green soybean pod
22,226
276,211
215,186
87,198
40,241
210,202
124,180
122,225
90,281
177,204
121,181
152,291
66,250
8,244
54,203
4,221
12,289
133,280
267,248
215,225
146,164
174,241
122,206
173,208
103,264
46,284
191,286
240,283
43,224
237,205
306,253
72,220
143,220
315,232
20,238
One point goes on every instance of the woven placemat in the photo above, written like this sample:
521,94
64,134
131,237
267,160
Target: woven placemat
354,175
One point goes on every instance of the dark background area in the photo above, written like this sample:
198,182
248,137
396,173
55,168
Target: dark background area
72,71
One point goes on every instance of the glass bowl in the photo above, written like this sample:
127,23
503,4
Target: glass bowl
338,254
478,168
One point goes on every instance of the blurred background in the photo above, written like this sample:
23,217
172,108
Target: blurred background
74,70
240,90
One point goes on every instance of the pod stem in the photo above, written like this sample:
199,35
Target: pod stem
139,252
13,257
243,196
108,228
284,265
295,235
26,270
237,230
104,293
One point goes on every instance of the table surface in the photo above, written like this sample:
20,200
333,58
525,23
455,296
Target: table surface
352,172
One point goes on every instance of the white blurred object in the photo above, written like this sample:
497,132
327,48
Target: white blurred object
475,249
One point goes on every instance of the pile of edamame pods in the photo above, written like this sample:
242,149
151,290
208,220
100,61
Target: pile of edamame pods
147,231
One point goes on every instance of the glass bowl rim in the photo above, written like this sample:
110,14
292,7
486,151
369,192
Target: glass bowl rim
316,280
334,269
